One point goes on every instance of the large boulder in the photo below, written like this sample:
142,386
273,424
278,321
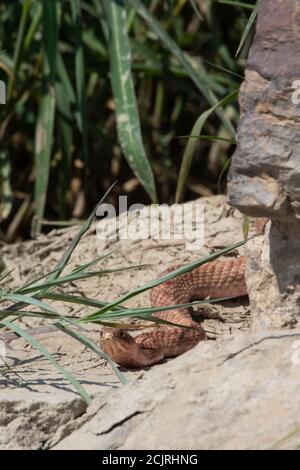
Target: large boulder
264,178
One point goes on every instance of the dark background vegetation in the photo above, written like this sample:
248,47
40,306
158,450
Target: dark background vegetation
169,103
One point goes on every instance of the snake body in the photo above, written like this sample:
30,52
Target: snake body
214,280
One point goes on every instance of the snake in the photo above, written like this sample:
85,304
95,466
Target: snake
213,280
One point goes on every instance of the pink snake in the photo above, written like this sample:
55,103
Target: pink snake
213,280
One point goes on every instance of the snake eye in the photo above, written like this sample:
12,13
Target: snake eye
122,334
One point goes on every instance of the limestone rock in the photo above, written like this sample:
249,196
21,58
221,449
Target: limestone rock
234,394
264,178
273,277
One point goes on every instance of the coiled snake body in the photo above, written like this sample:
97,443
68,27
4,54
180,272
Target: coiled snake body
214,280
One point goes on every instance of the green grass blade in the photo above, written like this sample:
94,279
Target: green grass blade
78,387
66,100
236,3
45,120
28,313
34,25
93,43
192,143
5,274
35,280
19,46
83,229
42,288
95,261
77,300
210,138
27,300
142,312
66,137
80,78
128,123
99,11
223,69
247,30
66,256
65,79
30,301
196,9
75,270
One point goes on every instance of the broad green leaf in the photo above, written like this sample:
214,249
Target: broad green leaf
80,77
128,123
45,120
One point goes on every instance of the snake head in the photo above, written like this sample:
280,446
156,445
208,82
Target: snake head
117,344
115,335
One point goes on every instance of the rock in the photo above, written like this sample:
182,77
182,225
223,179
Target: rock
29,422
233,394
273,276
264,177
